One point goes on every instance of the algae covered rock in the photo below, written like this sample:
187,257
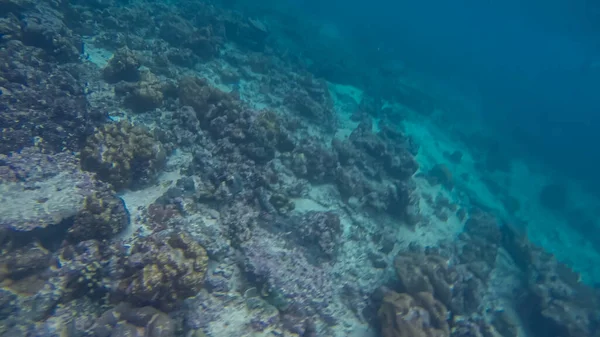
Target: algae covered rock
162,270
123,155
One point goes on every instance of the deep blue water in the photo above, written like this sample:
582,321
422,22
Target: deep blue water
536,64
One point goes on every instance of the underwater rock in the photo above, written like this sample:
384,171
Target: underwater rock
24,261
377,170
313,161
505,324
10,29
282,203
484,238
268,134
313,101
175,29
38,190
474,327
441,174
201,38
84,268
240,221
415,99
454,157
123,155
371,105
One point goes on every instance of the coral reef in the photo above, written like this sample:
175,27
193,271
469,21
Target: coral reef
419,315
103,216
322,229
147,94
269,168
123,320
425,273
162,270
123,155
42,95
289,281
556,302
123,66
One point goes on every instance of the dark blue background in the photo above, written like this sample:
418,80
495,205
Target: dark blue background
531,60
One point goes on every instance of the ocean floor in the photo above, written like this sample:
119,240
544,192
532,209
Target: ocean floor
217,187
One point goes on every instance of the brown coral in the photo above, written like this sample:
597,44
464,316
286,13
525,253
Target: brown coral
123,66
420,315
208,102
124,320
163,269
103,216
425,273
123,154
145,95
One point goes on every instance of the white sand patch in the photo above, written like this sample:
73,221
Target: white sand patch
96,55
307,205
137,201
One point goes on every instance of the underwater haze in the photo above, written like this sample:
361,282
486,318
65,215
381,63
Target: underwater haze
535,64
237,168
